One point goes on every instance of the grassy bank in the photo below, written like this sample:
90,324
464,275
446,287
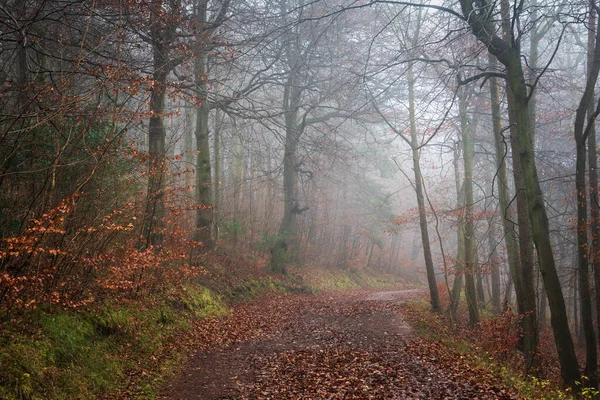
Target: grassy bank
80,354
323,280
490,347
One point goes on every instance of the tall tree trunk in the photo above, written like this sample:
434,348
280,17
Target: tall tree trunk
533,66
217,184
495,267
204,211
189,149
238,177
593,161
433,289
152,231
526,276
460,237
501,150
542,308
583,262
291,209
528,295
581,134
480,288
541,235
469,236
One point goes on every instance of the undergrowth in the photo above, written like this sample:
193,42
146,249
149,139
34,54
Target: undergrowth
491,347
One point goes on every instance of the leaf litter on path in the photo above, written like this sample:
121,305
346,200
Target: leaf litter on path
342,346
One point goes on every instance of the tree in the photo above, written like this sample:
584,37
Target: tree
205,28
581,132
163,23
469,239
311,94
412,41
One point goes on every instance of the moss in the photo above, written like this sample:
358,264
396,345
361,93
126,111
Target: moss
82,354
254,287
202,302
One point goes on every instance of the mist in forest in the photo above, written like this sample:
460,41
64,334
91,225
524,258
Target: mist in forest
451,144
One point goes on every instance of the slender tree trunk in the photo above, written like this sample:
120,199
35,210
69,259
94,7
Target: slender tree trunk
527,282
460,236
495,267
542,308
154,214
580,134
289,224
541,229
238,176
583,264
514,261
369,254
217,184
204,212
469,236
576,314
528,312
189,150
533,66
480,288
433,290
593,173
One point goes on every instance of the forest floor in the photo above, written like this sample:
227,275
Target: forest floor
346,345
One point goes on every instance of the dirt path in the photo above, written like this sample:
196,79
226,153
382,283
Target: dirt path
329,347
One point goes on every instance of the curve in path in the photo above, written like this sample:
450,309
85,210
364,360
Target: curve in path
344,346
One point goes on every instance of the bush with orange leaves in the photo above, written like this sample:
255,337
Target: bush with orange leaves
62,261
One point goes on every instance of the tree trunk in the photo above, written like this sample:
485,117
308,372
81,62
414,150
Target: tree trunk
204,212
593,173
217,184
514,261
580,134
238,176
289,224
528,312
433,290
152,231
189,150
495,267
469,235
460,236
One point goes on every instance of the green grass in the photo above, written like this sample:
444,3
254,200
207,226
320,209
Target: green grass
253,287
68,354
323,280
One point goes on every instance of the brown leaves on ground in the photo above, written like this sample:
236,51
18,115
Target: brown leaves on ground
328,347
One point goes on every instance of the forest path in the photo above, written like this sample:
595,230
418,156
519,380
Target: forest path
340,346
